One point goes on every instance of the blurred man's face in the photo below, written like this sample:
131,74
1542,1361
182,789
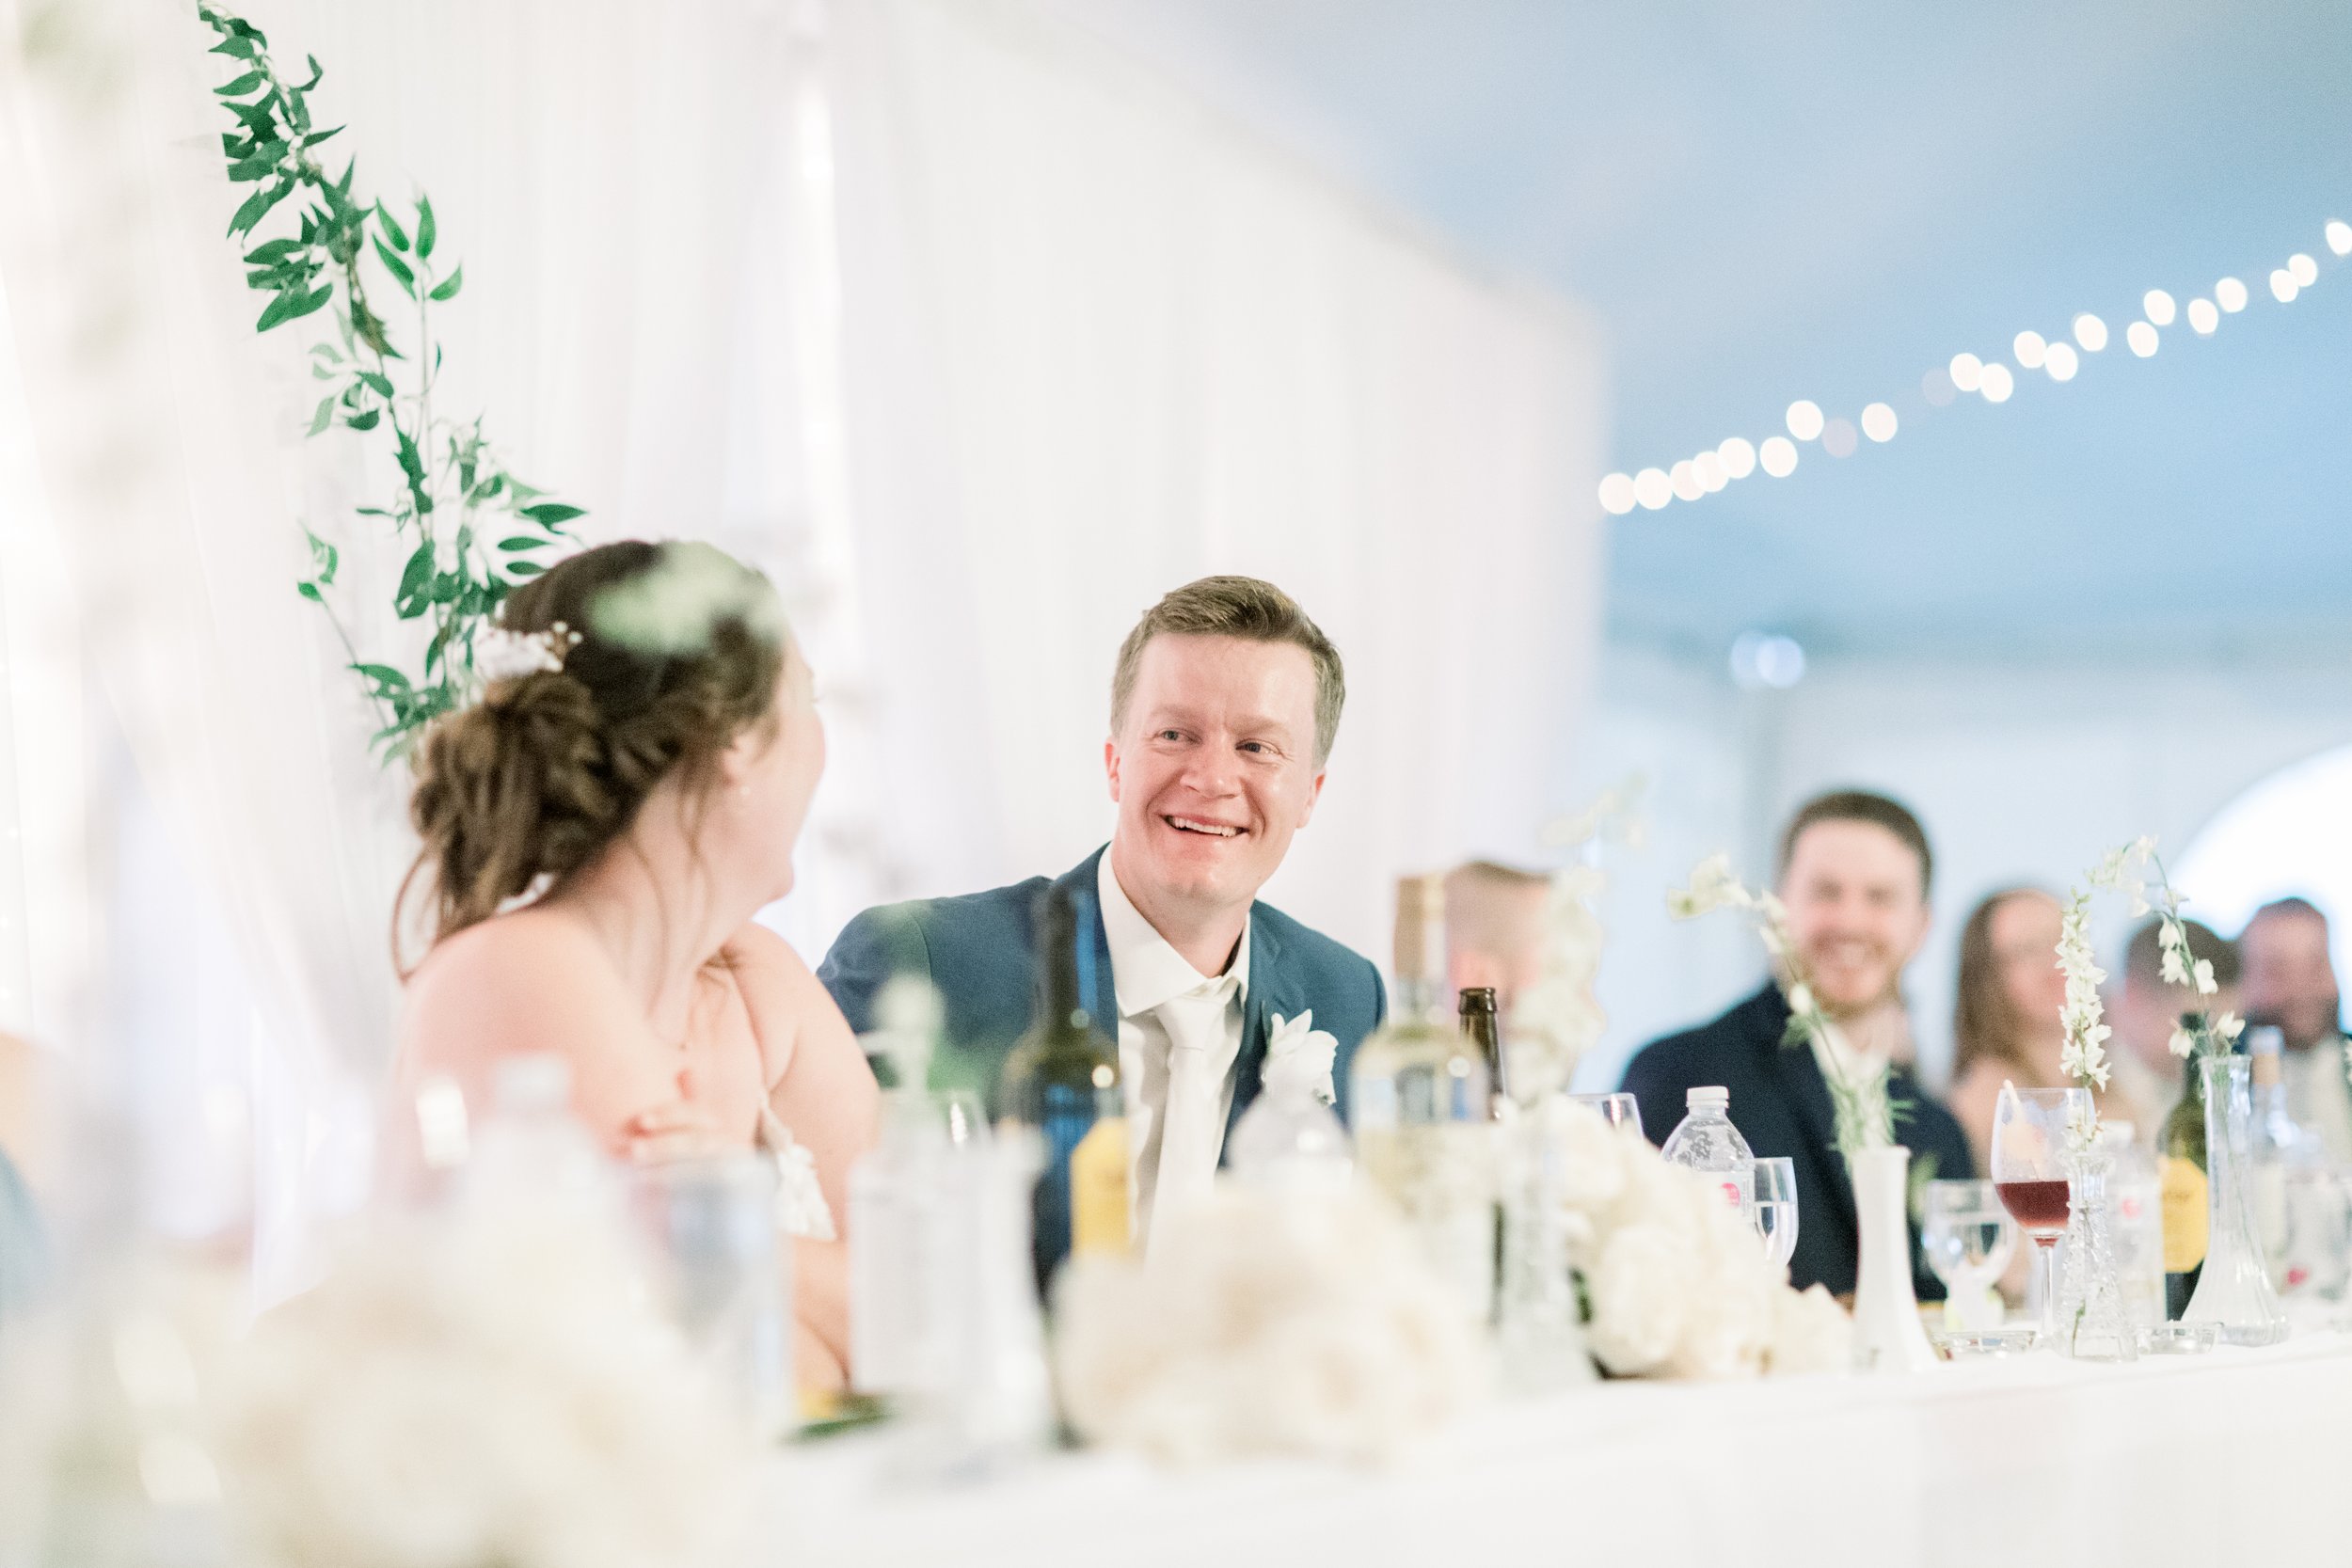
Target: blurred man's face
2145,1012
2287,977
1857,910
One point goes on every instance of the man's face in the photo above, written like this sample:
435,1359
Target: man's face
1856,911
1214,769
2287,978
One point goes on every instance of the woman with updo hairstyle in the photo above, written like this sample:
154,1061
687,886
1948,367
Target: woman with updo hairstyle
599,830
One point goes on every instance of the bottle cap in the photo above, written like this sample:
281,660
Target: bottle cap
1711,1094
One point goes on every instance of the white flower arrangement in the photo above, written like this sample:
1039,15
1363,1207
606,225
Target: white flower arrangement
2125,870
1299,1056
485,1387
1555,1020
1678,1283
1858,1091
501,654
1305,1323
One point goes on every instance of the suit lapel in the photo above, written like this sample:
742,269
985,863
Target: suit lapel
1096,989
1270,992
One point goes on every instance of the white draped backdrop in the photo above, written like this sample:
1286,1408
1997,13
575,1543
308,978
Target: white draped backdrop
977,336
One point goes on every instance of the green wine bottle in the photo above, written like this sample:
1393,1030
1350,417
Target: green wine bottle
2181,1167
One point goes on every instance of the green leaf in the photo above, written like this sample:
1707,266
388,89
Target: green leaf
414,578
523,542
297,114
525,568
553,514
449,287
257,206
261,163
410,463
325,416
243,85
385,679
279,309
318,73
327,350
398,268
379,384
426,228
364,421
391,227
322,135
272,253
237,48
310,591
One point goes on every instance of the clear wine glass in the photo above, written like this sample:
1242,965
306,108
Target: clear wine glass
1775,1210
2035,1134
1617,1110
1969,1239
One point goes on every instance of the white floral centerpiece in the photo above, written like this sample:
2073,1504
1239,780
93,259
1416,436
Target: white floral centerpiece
488,1388
1557,1019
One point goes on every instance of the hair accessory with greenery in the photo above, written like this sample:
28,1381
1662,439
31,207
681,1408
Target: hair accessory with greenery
473,528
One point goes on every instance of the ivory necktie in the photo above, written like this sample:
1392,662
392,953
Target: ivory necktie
1190,1138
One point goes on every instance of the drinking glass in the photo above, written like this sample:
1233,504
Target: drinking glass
1969,1239
1775,1210
712,1222
1617,1110
2035,1132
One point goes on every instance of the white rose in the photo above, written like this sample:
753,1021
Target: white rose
1642,1291
1299,1056
1811,1333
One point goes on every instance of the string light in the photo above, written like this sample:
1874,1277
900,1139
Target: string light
1736,458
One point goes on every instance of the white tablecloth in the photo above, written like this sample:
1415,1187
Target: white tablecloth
2232,1457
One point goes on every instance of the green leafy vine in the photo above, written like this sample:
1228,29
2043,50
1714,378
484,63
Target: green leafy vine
454,493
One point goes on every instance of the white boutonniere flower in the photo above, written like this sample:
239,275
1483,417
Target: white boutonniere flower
1298,1054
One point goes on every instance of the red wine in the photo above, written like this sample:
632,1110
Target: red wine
2039,1207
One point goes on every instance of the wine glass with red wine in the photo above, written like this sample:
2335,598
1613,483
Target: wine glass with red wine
2034,1137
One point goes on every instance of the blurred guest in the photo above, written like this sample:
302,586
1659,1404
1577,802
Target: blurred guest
2006,1009
1854,872
2144,1010
2290,982
599,830
1494,927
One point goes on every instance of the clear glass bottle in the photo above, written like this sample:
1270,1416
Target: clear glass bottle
1288,1141
1422,1108
893,1197
1705,1140
1060,1091
2135,1201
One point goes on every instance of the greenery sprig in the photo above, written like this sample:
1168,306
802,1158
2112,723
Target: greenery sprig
454,493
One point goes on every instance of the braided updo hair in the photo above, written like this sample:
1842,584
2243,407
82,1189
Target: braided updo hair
668,654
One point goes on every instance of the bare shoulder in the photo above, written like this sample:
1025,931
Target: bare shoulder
790,1010
532,980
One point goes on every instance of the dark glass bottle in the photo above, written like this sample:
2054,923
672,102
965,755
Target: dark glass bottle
1060,1089
1484,1029
2181,1166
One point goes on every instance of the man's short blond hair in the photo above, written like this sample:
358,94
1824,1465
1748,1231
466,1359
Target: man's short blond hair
1253,610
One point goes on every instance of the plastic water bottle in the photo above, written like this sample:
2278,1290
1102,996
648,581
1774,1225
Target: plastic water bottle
893,1204
1288,1141
1707,1141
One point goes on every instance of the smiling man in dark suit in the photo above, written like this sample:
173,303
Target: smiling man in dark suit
1854,873
1224,705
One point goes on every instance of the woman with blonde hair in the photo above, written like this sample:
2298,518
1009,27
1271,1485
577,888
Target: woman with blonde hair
2006,1008
598,831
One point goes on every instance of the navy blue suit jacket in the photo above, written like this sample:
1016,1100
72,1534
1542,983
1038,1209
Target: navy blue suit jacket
979,950
1780,1104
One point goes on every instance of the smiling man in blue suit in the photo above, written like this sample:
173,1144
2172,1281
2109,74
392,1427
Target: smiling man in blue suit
1224,705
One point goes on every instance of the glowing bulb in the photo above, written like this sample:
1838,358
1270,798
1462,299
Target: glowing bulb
1739,455
2061,363
1967,371
1998,383
1653,489
2029,349
1779,456
2142,337
2284,287
2229,294
1709,469
2303,270
1685,478
1878,422
2340,237
2091,332
1839,439
1805,418
2158,305
1616,494
2202,317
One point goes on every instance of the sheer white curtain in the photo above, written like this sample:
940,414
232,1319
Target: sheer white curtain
1098,342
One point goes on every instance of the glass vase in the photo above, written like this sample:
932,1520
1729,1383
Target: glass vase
2092,1322
2234,1291
1538,1335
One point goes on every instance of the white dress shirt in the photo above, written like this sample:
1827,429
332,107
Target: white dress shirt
1154,983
